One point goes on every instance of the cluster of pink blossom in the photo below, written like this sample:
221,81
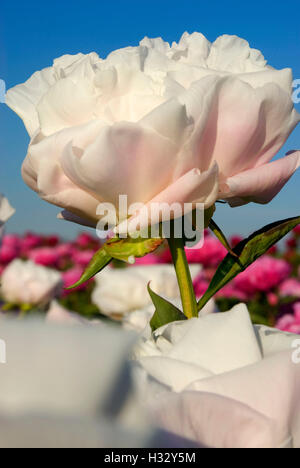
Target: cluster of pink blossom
290,322
209,256
270,286
70,258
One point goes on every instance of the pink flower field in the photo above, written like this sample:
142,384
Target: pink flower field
270,287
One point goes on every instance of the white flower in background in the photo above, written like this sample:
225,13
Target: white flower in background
24,282
190,122
221,381
119,292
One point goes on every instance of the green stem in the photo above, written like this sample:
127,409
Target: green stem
184,278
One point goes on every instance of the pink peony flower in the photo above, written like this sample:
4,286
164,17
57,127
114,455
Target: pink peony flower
231,292
85,240
45,256
263,275
296,308
151,259
65,250
290,287
200,285
295,328
165,257
82,257
11,240
273,299
210,254
71,277
30,241
290,322
7,254
52,241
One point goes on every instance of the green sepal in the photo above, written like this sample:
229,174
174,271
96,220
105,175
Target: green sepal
165,312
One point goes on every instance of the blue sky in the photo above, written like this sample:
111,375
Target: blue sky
33,33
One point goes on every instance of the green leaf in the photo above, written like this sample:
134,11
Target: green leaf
99,261
245,253
221,236
127,249
165,312
119,249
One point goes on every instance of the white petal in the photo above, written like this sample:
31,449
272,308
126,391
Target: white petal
6,210
42,170
24,98
226,336
124,159
233,54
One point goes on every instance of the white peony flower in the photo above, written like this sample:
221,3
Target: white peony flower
223,382
119,292
187,122
24,282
